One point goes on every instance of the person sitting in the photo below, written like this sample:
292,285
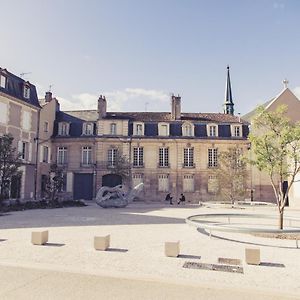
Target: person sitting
169,198
181,199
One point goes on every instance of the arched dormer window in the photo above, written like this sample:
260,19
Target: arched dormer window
26,90
187,129
138,128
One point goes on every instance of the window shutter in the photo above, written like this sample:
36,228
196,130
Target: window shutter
30,152
41,153
20,146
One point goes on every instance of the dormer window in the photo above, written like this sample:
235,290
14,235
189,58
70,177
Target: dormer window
212,130
26,91
163,129
187,129
87,128
113,128
63,128
236,130
2,81
138,129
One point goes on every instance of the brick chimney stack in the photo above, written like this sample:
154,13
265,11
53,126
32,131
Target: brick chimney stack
176,107
48,96
102,107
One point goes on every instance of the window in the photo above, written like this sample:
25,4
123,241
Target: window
139,129
188,157
88,128
3,81
138,157
163,157
86,158
3,114
46,125
237,131
63,128
112,156
212,184
187,130
63,187
45,154
163,182
137,179
212,130
212,158
24,150
26,91
188,183
113,128
163,129
62,155
26,116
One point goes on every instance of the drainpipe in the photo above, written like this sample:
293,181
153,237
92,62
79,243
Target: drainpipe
36,139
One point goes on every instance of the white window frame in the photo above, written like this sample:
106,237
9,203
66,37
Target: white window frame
62,155
212,157
236,130
45,154
188,183
137,178
63,128
3,81
187,129
188,157
113,128
86,155
212,130
212,184
163,182
26,91
138,129
111,157
88,128
163,129
163,157
138,156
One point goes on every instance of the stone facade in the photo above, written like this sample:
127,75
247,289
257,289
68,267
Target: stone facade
19,113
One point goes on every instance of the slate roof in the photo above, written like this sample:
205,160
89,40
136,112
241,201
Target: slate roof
14,88
92,115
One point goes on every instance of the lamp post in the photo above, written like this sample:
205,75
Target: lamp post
251,182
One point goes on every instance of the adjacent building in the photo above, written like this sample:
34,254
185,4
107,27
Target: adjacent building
19,116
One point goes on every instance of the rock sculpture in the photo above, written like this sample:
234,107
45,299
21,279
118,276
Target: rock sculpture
116,196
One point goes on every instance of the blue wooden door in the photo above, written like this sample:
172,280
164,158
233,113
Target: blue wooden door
83,186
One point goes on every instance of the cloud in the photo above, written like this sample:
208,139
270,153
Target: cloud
129,99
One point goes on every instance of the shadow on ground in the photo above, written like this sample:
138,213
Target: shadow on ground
91,215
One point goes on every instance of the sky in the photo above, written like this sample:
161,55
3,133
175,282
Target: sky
137,52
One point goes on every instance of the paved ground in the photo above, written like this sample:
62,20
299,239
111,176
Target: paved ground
135,267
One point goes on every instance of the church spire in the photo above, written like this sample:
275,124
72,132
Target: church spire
228,104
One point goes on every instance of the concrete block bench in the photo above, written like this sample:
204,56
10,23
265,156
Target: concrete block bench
172,249
39,237
102,242
252,256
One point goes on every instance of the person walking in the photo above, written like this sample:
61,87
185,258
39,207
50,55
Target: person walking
181,199
169,198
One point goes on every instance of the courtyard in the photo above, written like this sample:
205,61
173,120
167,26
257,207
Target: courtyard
69,265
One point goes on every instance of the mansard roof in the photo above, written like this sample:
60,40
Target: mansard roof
14,87
92,115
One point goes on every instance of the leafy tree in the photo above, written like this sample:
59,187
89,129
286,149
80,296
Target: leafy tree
121,166
276,145
231,174
9,163
54,182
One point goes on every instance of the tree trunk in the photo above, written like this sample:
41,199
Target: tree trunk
281,219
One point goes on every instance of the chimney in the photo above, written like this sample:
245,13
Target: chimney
101,107
48,96
176,107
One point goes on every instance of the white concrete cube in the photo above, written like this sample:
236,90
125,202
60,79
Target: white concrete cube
39,237
102,242
252,256
172,249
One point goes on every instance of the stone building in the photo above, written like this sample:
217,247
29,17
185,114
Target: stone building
19,113
260,181
168,151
